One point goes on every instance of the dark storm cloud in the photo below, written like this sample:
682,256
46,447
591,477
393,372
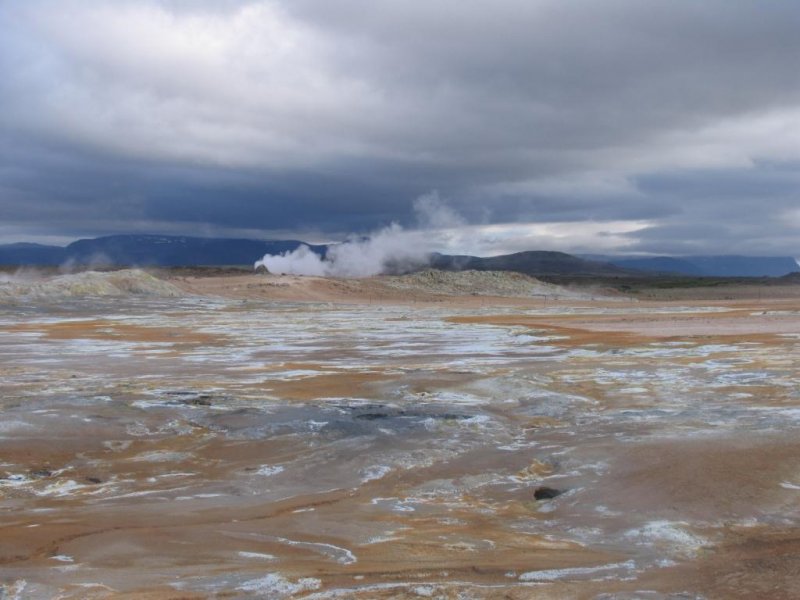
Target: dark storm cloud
325,117
750,211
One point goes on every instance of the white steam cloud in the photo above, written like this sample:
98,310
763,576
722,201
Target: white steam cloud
389,250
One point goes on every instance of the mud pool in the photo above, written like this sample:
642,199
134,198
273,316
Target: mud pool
197,447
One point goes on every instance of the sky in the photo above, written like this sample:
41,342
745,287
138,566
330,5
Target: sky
587,126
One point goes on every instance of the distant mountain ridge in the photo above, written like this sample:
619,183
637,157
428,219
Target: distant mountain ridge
170,251
25,254
532,262
150,250
714,266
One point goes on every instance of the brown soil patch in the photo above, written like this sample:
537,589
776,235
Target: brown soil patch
749,563
706,479
330,385
614,331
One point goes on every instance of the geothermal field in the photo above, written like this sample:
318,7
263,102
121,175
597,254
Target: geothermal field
472,435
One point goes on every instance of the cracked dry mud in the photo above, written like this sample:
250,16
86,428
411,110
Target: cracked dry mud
204,447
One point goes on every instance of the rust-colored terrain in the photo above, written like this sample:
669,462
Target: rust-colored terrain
282,437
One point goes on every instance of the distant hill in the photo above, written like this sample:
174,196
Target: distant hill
659,264
173,251
715,266
31,254
791,278
532,262
169,251
149,250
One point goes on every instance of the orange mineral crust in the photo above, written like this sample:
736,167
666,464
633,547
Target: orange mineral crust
361,440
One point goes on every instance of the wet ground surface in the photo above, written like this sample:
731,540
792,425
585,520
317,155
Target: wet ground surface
200,448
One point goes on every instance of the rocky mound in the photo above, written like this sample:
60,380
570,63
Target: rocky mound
791,278
478,283
130,282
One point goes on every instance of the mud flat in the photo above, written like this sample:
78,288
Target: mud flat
223,442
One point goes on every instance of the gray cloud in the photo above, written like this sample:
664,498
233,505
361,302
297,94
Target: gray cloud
320,118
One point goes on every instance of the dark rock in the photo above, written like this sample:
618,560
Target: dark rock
94,480
451,417
355,407
42,473
201,400
546,493
373,416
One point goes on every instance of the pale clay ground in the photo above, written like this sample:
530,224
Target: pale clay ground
278,437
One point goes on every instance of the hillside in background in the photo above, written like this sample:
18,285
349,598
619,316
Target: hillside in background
149,250
32,255
532,262
712,266
171,251
182,251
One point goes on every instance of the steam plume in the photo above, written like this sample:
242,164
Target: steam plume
389,250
